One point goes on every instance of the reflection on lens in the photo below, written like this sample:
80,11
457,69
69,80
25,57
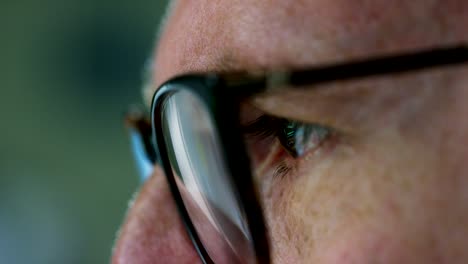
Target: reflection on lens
204,182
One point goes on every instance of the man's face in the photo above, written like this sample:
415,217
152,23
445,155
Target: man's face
391,187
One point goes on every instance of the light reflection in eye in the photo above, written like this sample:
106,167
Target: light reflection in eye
297,138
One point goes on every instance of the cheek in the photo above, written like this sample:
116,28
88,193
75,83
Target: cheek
368,245
307,207
384,203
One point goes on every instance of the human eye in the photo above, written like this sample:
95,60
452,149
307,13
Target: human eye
280,143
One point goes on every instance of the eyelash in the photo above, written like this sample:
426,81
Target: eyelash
296,138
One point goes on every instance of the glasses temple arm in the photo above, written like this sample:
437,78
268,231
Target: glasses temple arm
437,57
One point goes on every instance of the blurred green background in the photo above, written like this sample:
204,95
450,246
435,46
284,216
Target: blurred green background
68,71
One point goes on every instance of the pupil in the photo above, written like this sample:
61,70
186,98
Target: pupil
297,138
287,136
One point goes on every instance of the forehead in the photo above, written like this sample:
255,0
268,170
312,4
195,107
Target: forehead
223,35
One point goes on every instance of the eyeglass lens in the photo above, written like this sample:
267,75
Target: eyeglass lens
197,161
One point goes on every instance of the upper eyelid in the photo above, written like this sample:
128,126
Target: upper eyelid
262,126
342,103
338,108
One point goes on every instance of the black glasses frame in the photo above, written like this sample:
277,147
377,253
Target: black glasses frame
222,94
219,98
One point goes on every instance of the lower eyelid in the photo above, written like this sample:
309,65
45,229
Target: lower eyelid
263,159
282,170
280,163
268,155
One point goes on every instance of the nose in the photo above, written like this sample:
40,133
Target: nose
152,231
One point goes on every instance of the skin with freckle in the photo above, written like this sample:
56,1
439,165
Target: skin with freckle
393,187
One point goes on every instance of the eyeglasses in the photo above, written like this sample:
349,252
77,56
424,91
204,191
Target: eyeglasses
196,135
